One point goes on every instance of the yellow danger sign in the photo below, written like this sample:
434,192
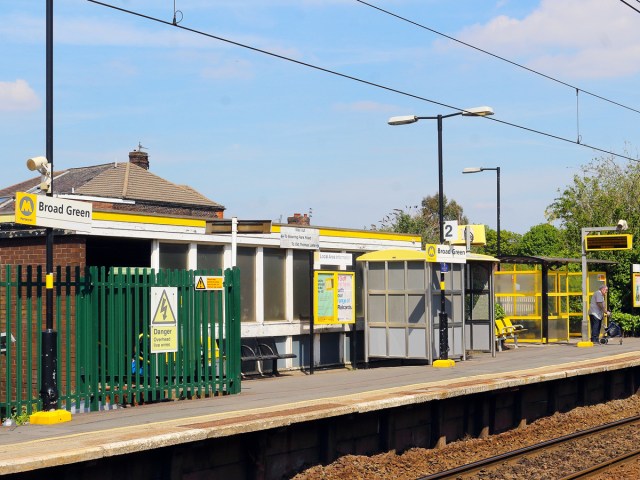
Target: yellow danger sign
164,319
209,282
164,313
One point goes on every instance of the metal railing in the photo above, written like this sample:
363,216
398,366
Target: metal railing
103,319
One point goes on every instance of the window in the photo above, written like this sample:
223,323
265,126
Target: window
210,257
246,261
274,283
301,285
174,256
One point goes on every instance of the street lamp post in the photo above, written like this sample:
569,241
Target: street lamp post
442,315
497,170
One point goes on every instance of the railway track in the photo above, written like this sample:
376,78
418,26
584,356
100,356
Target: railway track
594,448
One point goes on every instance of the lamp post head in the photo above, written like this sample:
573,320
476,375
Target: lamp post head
477,111
403,120
472,170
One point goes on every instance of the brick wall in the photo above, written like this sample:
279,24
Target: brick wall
67,251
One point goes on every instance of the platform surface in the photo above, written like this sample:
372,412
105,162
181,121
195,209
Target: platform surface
296,396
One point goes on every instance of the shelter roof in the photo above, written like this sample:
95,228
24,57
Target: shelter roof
416,255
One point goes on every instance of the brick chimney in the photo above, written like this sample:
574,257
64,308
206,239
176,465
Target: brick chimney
299,219
139,158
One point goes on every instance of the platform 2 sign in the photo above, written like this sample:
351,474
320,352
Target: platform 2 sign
334,297
164,319
53,212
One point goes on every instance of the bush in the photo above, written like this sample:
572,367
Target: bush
630,324
499,311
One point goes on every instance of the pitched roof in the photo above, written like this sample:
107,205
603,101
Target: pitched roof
125,181
131,182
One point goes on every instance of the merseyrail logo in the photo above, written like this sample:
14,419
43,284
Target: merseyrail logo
25,208
431,253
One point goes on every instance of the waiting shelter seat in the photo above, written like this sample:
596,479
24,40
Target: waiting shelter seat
506,331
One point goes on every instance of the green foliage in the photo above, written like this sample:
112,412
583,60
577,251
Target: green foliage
423,220
509,243
606,191
499,311
543,240
21,418
630,324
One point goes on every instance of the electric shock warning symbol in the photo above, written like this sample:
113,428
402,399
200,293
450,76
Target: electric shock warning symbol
164,313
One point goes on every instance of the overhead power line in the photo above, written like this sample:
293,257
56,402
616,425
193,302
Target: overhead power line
630,6
355,79
498,56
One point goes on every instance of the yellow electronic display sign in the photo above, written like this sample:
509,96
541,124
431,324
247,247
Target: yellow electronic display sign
620,241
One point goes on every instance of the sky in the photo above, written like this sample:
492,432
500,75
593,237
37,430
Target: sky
268,137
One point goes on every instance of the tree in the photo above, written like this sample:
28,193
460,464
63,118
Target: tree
423,220
605,192
509,242
543,240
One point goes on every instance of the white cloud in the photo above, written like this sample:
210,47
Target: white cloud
572,38
17,96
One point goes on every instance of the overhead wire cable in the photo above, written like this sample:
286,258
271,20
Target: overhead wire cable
548,77
630,6
356,79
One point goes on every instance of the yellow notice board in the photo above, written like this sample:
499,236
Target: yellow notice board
635,288
334,297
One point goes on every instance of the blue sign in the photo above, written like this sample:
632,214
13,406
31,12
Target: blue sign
444,267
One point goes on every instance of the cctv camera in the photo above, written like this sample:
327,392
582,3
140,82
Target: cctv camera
622,225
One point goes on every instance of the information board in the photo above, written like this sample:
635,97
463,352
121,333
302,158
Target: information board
334,297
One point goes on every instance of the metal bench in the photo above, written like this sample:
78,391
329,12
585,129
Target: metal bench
257,350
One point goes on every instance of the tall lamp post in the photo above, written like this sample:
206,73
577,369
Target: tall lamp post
497,170
442,315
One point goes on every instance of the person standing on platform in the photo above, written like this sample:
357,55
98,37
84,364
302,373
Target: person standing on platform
597,310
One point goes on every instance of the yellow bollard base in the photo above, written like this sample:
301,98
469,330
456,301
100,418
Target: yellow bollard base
50,418
585,344
444,363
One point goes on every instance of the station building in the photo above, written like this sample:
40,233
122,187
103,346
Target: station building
142,220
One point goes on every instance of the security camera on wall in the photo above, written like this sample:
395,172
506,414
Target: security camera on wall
622,225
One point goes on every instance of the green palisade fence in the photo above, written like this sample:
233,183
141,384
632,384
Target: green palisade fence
103,318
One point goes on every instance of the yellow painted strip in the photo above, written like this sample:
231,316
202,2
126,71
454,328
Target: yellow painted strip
371,235
150,219
7,218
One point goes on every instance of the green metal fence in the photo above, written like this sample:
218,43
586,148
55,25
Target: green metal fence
103,320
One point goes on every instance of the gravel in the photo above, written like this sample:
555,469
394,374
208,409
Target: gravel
418,462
